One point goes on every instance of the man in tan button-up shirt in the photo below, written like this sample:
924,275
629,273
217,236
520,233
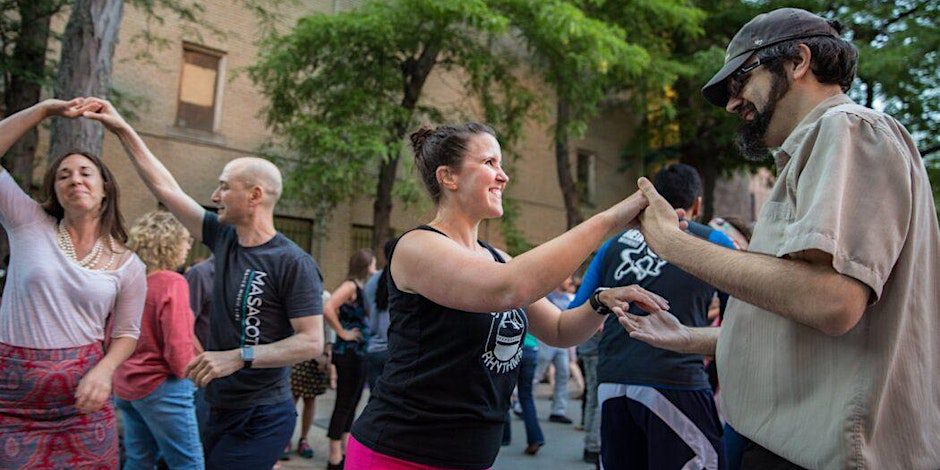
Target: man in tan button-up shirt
829,356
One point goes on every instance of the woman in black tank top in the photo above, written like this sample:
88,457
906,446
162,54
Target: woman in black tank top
345,312
460,309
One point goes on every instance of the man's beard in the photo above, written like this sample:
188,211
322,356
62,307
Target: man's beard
750,136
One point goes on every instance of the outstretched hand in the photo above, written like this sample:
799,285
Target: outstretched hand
622,297
104,112
660,329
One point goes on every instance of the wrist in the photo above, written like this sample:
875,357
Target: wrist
666,249
124,132
44,108
600,306
688,346
607,220
245,356
105,366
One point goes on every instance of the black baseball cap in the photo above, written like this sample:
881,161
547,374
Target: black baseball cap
763,31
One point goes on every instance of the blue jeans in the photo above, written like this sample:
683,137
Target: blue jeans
162,424
533,431
202,410
592,416
559,357
734,445
248,438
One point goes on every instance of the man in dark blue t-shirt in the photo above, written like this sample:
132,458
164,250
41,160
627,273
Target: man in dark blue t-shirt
657,409
266,304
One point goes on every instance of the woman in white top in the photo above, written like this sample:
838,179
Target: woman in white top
71,308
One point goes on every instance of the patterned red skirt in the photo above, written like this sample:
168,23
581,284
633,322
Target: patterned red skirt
39,425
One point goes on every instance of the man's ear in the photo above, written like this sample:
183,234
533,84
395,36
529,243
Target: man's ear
803,65
696,210
255,196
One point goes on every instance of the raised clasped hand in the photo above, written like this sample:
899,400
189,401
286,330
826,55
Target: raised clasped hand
659,221
61,108
104,112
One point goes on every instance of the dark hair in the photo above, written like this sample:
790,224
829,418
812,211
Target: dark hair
833,60
741,226
444,145
112,221
381,291
680,184
359,265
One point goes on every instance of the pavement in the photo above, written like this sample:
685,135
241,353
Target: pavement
562,450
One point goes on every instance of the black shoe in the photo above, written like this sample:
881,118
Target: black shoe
336,466
533,449
590,456
560,419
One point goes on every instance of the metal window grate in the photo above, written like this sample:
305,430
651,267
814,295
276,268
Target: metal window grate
361,238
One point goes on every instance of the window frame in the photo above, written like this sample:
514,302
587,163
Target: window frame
218,89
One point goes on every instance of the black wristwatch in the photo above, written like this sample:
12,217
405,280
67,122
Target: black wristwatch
596,303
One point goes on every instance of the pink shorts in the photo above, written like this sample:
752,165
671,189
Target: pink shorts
360,457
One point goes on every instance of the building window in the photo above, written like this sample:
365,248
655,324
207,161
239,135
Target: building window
361,238
200,88
587,185
299,230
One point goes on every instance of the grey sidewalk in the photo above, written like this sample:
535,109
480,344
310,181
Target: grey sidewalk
562,451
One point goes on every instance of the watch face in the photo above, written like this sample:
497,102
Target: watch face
248,354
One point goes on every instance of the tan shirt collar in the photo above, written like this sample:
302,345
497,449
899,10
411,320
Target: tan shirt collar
792,143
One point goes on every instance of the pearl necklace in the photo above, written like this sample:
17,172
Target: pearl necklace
91,259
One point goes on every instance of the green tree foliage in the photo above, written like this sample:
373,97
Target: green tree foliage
888,35
345,89
678,124
584,54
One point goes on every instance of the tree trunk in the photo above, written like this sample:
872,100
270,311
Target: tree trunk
25,87
85,70
707,167
569,191
869,92
415,73
709,179
382,207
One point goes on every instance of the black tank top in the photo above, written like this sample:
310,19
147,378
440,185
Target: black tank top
444,393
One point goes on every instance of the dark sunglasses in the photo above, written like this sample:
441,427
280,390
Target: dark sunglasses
738,79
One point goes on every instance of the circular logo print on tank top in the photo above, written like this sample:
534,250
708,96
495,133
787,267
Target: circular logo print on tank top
504,343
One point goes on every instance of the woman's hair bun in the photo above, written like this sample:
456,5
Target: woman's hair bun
420,136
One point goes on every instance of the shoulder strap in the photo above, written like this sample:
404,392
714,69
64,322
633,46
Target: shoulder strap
496,255
427,228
